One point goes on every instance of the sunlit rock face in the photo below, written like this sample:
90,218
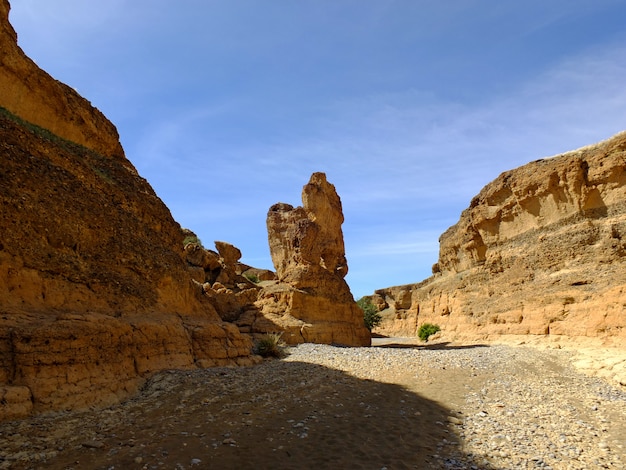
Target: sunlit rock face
540,250
94,292
32,94
310,301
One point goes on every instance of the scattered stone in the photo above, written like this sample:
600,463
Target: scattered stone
454,420
93,444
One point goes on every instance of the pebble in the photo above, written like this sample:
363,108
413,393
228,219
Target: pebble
93,445
455,420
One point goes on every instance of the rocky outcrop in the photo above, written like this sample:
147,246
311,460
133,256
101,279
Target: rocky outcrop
541,250
230,286
310,301
94,291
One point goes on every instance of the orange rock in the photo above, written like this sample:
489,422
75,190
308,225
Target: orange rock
541,250
32,94
310,301
95,292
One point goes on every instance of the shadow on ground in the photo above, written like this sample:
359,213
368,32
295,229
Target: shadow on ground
277,415
433,346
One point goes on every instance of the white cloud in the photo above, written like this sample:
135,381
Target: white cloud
219,148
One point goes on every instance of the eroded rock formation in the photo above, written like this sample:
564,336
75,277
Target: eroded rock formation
310,301
94,291
229,285
541,250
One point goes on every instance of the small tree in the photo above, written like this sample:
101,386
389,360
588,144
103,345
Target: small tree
426,330
371,317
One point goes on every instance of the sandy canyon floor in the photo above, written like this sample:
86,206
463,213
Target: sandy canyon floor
397,405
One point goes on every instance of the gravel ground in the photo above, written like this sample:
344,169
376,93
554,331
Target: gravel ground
531,410
394,406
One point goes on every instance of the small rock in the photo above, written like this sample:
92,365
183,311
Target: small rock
93,444
454,420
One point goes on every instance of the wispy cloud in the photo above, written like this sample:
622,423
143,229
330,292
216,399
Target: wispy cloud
228,110
410,154
405,243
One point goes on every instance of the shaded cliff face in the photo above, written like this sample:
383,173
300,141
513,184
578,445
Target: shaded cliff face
94,291
80,231
540,250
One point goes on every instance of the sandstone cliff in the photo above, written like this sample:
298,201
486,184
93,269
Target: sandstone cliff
29,92
94,291
540,250
310,301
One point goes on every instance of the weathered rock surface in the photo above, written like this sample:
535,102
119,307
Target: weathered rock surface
94,291
310,301
29,92
541,250
223,278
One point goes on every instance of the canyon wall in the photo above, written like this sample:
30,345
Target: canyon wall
29,92
541,250
95,293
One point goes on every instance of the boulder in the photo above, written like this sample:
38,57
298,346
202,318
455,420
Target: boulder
230,254
257,274
196,255
224,286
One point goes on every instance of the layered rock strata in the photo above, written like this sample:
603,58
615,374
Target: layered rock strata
29,92
94,292
540,250
310,301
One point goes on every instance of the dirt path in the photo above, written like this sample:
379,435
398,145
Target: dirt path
397,405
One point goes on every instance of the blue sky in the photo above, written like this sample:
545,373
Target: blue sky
410,107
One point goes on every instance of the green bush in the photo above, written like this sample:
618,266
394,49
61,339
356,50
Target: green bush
192,239
426,330
270,345
371,317
252,277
